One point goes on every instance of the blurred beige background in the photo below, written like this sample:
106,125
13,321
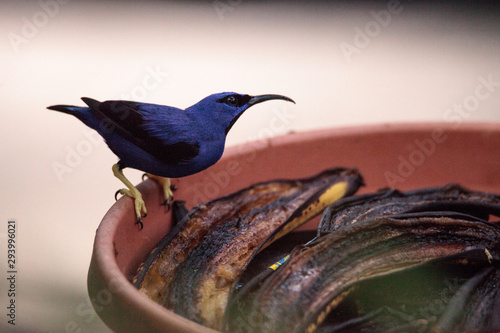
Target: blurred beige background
344,65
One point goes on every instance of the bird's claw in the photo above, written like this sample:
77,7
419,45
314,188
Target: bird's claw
140,208
139,222
168,196
166,203
167,188
118,192
139,205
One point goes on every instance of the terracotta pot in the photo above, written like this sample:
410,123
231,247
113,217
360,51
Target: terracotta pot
405,156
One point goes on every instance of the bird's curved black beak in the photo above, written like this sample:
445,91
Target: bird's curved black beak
262,98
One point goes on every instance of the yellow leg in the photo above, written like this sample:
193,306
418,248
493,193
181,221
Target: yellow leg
165,184
132,191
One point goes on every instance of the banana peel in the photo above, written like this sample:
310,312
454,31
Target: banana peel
374,236
451,200
302,292
195,267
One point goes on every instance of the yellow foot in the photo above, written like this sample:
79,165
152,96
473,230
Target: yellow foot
139,205
168,195
133,192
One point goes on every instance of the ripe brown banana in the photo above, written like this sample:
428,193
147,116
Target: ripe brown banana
317,278
374,236
195,267
451,200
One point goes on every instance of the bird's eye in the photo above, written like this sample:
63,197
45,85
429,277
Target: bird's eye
235,100
232,101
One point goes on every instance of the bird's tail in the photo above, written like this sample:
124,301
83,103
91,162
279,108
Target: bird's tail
69,109
83,113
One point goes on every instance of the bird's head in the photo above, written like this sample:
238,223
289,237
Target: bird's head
225,108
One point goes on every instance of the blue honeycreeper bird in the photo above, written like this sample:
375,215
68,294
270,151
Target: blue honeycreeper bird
164,141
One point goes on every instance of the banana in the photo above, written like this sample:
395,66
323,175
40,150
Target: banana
194,268
450,200
373,236
317,278
156,272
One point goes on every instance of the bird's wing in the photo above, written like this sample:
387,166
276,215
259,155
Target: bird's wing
159,130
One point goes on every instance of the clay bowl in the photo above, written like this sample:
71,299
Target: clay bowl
405,156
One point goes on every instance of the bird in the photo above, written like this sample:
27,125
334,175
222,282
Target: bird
164,141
